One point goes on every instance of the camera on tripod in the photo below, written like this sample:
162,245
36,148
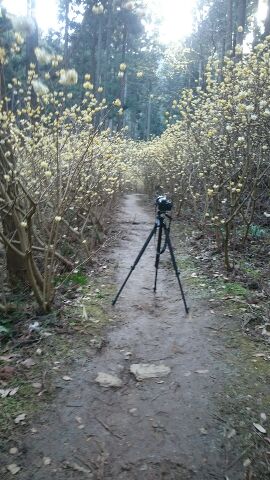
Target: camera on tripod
162,226
163,204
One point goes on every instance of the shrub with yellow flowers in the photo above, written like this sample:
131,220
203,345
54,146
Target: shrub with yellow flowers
60,174
215,158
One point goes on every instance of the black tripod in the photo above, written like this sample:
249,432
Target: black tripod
160,224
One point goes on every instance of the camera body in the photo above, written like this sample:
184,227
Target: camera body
163,204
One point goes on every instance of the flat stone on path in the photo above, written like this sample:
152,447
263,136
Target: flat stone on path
108,380
143,371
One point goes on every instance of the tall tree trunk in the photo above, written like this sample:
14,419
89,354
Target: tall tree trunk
32,37
229,26
149,113
256,30
31,44
267,21
241,21
98,53
66,35
108,40
123,85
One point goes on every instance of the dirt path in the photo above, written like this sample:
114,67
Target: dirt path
154,429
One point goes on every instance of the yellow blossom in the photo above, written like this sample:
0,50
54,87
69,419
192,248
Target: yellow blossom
117,102
68,77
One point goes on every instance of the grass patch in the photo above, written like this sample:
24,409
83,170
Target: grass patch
24,401
77,278
245,397
249,270
231,288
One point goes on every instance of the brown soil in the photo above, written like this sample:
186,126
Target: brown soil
165,428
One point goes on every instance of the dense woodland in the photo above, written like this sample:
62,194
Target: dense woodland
86,109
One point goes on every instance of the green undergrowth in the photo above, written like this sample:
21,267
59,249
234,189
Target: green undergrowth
78,278
66,334
212,282
245,399
9,320
24,401
245,395
208,286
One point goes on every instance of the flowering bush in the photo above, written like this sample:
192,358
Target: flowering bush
59,174
215,159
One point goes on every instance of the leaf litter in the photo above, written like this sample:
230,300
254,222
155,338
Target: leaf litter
13,468
20,418
259,428
8,392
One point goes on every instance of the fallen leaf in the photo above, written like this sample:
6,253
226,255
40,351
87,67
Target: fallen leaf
77,468
84,313
263,417
37,385
28,362
20,418
8,358
13,451
203,431
8,392
13,468
232,433
259,427
67,378
13,391
34,327
4,392
6,372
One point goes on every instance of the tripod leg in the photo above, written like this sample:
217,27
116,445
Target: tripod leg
177,272
158,255
135,263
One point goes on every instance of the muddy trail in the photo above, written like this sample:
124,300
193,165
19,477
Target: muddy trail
159,428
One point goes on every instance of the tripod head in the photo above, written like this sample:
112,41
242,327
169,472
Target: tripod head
163,205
